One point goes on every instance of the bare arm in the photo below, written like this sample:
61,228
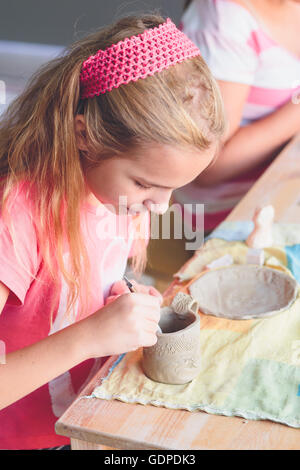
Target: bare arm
246,147
98,335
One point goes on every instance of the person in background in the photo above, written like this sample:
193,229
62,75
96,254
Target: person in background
252,48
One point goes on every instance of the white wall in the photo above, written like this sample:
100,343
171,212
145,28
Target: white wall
18,61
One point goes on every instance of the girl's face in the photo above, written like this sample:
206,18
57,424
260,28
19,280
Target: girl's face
146,177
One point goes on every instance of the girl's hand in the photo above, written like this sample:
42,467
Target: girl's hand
126,324
150,290
120,287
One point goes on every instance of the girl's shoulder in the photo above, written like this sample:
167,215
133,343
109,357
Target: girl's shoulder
229,16
19,201
242,3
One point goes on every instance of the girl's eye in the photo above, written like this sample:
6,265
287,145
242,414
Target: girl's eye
140,185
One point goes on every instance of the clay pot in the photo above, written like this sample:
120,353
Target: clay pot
175,358
243,292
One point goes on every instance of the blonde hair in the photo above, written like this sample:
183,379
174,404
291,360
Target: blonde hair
178,106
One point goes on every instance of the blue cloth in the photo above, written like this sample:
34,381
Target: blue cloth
233,231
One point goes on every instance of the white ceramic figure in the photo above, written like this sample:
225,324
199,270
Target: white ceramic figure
261,236
225,260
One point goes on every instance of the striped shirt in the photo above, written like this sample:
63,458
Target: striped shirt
237,48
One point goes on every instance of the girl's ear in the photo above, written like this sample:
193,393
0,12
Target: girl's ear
80,132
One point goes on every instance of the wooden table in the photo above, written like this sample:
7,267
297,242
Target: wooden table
95,423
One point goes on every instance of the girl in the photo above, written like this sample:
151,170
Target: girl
252,48
131,112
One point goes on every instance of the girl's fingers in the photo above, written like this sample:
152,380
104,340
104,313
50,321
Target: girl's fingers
156,293
152,316
119,288
150,339
147,290
140,288
151,327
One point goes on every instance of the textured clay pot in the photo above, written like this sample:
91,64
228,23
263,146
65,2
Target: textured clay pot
175,358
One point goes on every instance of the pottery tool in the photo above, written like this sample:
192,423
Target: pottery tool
132,289
129,285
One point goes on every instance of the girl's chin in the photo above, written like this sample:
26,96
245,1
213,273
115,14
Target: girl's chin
133,211
123,210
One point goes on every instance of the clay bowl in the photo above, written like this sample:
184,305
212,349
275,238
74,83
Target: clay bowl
175,358
244,291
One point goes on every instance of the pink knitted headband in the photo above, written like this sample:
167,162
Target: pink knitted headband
134,58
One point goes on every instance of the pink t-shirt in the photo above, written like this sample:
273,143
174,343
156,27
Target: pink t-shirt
25,319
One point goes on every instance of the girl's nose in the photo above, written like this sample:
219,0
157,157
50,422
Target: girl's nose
158,208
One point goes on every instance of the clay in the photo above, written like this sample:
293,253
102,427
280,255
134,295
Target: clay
244,291
255,256
225,260
175,358
183,303
261,236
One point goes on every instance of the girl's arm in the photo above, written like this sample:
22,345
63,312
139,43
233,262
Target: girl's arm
246,147
29,368
126,324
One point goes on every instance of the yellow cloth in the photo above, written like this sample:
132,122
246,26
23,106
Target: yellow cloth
250,368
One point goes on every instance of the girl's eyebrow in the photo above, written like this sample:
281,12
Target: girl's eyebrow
154,184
